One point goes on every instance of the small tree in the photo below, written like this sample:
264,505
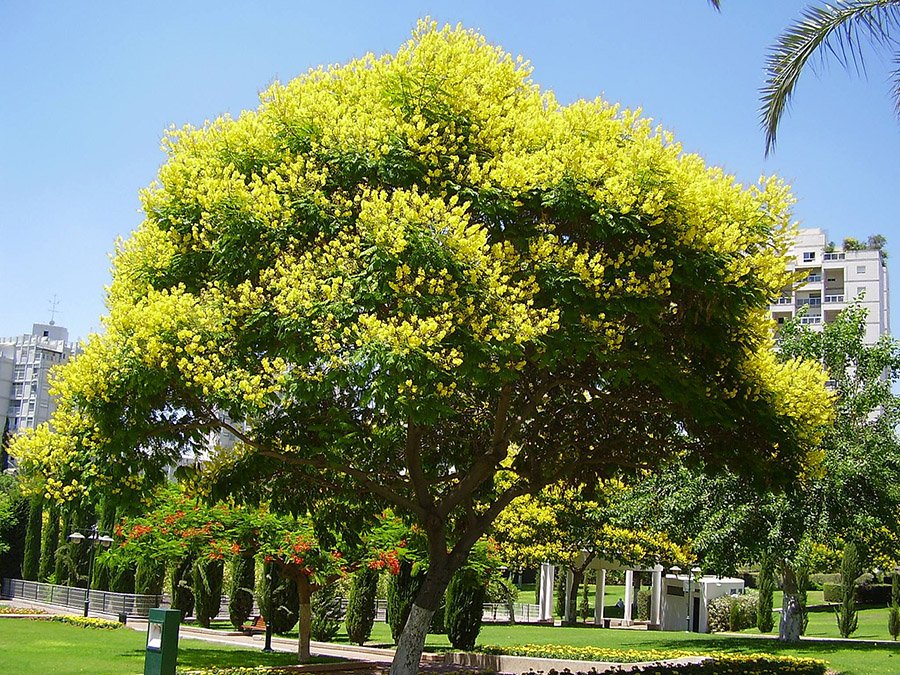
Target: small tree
766,585
31,561
278,599
326,613
240,592
182,586
208,575
49,544
847,620
360,616
465,606
402,590
894,614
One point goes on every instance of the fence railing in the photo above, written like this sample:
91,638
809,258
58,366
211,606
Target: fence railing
138,606
102,602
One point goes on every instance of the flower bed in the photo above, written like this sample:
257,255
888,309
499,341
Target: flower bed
734,664
84,622
5,609
588,653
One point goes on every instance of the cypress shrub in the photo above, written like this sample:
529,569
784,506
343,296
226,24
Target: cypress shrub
764,621
32,561
465,605
12,528
208,574
149,577
360,616
325,611
438,619
59,562
182,583
559,592
49,544
894,612
278,599
240,591
803,597
847,620
401,592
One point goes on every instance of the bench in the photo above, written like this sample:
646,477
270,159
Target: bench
258,626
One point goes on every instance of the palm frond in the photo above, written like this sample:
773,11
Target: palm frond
895,83
839,29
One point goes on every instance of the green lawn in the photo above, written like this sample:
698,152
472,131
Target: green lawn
873,623
28,646
42,647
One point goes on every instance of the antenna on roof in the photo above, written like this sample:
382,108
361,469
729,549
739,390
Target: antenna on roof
54,303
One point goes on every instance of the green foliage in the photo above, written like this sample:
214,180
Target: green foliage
851,568
240,591
733,612
14,510
643,604
559,592
207,577
803,595
149,577
49,544
465,606
32,560
360,615
182,584
278,600
402,590
326,613
894,614
766,587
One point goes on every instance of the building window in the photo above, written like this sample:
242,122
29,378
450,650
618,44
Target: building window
860,269
809,256
860,291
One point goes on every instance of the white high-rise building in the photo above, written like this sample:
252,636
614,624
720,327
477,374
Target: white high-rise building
835,279
25,363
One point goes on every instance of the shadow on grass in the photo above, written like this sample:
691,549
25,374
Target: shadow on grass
197,658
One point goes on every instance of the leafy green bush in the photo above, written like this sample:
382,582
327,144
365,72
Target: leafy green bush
360,616
240,591
401,592
643,604
207,575
278,599
326,613
732,612
465,606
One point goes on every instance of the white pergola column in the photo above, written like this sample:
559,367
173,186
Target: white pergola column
570,579
629,591
545,598
599,597
656,594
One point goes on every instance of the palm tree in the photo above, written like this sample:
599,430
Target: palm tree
839,30
829,29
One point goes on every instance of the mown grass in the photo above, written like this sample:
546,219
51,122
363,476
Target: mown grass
28,646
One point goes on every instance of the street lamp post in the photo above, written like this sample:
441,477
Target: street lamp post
93,538
695,571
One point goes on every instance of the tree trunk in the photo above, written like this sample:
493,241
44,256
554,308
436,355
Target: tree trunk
304,593
572,605
791,623
412,639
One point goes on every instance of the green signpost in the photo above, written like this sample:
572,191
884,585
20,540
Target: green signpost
162,642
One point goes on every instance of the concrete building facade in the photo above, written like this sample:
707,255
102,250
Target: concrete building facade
833,279
25,363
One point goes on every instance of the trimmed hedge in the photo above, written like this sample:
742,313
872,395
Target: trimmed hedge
866,594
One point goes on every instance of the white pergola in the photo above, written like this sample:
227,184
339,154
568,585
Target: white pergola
548,573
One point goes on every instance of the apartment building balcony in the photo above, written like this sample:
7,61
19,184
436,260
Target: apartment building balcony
811,320
811,302
833,299
834,256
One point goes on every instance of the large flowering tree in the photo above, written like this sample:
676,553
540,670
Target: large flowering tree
398,276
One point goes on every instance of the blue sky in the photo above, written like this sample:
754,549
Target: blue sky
87,88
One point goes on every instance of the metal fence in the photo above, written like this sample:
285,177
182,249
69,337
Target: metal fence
102,602
138,606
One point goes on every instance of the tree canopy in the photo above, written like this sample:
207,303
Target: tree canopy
401,275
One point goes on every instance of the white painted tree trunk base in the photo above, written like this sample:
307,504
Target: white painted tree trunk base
791,623
412,641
